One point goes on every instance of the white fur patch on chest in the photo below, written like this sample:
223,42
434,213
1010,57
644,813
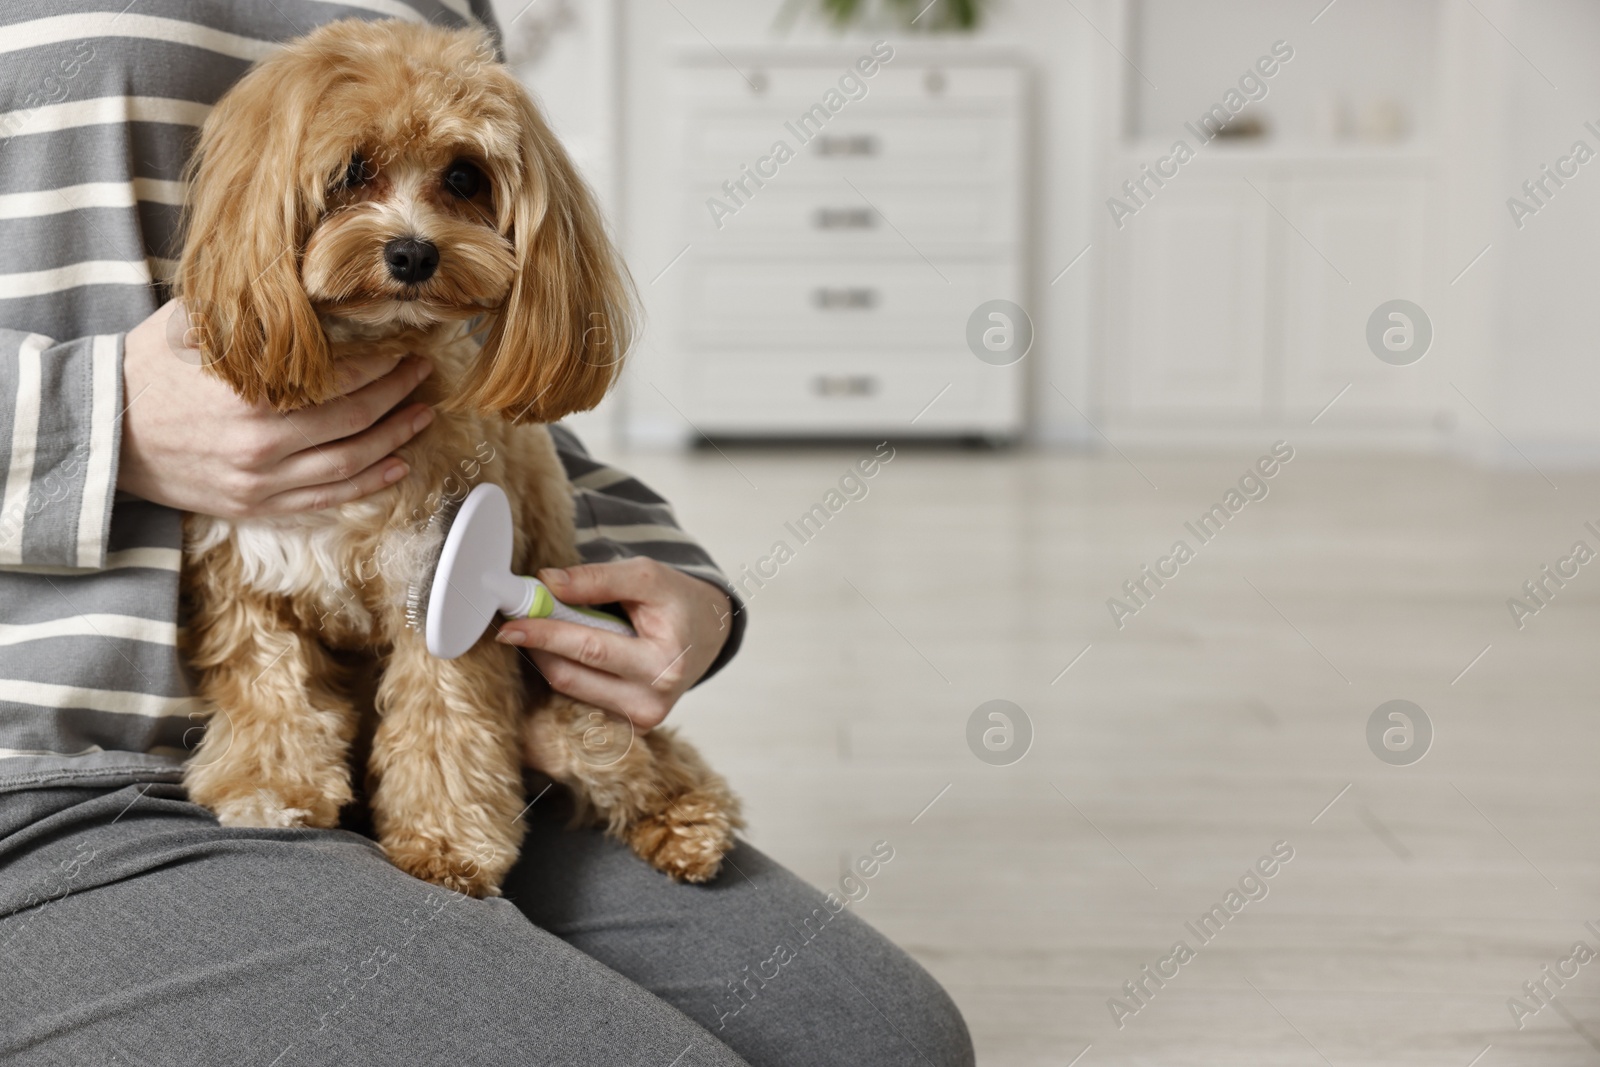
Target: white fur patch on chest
327,559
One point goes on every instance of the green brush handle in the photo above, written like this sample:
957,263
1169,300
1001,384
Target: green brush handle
542,604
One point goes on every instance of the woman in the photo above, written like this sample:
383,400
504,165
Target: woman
135,928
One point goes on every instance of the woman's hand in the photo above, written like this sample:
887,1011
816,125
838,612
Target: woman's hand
189,442
682,623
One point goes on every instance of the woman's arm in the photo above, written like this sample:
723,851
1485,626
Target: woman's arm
59,411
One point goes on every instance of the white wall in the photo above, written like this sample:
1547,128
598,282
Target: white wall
1547,341
1195,51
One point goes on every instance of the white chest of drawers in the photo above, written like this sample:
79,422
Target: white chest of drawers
827,293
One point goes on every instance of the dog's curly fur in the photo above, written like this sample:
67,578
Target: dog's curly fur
344,141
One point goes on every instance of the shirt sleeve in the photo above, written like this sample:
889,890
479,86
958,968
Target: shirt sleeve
60,426
619,516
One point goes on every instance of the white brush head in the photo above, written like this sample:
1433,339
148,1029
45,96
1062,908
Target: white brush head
473,575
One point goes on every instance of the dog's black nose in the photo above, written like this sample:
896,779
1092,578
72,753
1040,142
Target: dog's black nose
411,260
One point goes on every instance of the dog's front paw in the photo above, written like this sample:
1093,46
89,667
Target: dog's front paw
687,839
246,796
261,808
459,870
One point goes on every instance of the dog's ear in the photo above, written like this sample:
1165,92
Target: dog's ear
557,343
254,196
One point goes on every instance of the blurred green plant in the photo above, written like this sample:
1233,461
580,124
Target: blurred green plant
916,14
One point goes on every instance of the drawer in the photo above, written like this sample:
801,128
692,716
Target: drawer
855,393
878,304
765,83
878,145
836,218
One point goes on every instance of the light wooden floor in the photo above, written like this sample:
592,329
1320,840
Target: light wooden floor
1224,718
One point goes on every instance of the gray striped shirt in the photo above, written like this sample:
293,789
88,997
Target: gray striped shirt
100,101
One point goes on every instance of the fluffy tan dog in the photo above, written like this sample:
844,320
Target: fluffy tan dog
377,186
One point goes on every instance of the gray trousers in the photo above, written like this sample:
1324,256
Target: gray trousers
137,932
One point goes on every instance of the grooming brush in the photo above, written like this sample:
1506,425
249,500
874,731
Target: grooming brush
453,603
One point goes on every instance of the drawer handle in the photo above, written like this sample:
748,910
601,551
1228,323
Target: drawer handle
845,218
845,299
837,385
855,144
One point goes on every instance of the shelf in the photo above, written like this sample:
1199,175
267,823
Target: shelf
1143,150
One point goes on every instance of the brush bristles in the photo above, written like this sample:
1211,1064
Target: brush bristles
417,554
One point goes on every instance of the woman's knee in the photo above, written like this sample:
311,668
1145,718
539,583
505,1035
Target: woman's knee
931,1013
838,994
783,975
916,1020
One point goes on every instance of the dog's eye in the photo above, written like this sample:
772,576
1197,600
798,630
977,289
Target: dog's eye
464,180
358,173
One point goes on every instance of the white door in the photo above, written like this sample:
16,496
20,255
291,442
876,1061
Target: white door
1189,302
1362,246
